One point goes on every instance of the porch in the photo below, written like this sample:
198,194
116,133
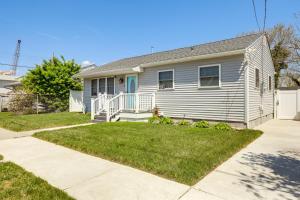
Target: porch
133,106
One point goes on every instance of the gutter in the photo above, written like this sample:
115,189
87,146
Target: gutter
139,68
193,58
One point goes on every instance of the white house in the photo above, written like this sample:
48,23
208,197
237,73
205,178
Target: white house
230,80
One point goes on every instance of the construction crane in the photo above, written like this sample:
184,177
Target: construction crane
15,61
16,58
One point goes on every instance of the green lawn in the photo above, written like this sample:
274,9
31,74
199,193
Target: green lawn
16,183
183,154
30,122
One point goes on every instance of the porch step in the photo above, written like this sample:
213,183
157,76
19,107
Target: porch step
134,117
99,118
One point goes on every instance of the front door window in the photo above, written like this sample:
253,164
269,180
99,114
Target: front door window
131,84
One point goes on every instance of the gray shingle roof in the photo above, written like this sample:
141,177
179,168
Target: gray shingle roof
126,64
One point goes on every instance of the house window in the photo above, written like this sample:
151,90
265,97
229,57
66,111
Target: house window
94,87
102,85
270,83
257,78
209,76
166,79
110,85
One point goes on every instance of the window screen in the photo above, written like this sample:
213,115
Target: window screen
110,86
209,76
257,78
94,87
102,85
270,83
165,79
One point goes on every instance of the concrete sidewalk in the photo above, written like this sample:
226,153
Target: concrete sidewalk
269,168
87,177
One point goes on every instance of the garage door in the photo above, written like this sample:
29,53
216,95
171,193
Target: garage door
287,104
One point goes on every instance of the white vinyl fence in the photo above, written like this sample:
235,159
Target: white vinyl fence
288,104
76,101
4,102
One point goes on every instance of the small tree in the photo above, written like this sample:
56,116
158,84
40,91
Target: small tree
53,80
279,56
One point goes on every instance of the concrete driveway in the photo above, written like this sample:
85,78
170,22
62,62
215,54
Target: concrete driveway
269,168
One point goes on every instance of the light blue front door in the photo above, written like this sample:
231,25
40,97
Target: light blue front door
131,87
131,84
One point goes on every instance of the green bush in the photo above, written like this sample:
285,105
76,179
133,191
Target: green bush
183,123
202,124
1,157
223,126
166,120
154,120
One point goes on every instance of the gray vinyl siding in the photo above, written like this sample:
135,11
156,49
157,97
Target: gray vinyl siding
255,61
188,101
87,94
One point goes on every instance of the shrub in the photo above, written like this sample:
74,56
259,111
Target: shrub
154,120
222,126
166,120
202,124
1,157
22,103
183,123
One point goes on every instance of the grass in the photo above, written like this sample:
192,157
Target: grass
180,153
30,122
16,183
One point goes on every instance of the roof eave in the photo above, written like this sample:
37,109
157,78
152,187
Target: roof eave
194,58
106,73
139,68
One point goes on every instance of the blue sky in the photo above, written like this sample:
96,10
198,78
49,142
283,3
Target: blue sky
102,31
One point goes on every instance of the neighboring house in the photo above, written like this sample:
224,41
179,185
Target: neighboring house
6,80
229,80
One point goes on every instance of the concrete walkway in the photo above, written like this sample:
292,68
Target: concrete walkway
7,134
87,177
269,168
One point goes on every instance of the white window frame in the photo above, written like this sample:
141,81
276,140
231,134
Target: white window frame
257,87
220,76
106,83
166,70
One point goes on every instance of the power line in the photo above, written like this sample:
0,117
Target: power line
265,16
255,15
24,66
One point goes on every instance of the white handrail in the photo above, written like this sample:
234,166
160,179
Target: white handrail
135,102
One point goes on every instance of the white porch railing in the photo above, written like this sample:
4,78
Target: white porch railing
98,104
133,102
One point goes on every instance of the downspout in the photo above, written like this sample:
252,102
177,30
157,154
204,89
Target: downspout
246,66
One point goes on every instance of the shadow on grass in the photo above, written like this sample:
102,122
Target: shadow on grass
279,173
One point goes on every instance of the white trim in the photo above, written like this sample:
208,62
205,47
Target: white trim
220,76
166,70
137,81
